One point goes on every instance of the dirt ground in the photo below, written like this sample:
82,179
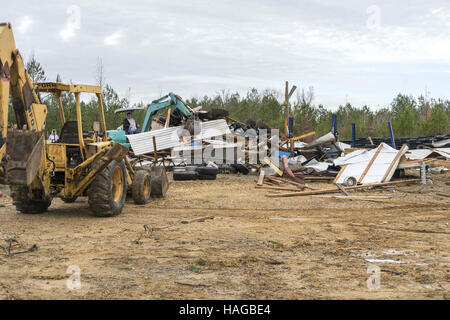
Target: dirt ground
255,247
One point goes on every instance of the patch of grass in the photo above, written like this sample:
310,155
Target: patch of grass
253,259
193,268
126,268
429,279
200,262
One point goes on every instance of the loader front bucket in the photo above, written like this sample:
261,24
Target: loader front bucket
159,182
24,151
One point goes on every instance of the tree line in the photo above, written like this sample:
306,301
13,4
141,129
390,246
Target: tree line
409,116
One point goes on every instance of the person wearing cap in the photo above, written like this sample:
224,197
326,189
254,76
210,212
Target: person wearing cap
129,124
54,136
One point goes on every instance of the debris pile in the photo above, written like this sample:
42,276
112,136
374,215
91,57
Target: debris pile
209,143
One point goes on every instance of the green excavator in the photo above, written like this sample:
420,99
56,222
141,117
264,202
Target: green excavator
180,114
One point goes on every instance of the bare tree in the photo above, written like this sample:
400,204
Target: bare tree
100,73
306,97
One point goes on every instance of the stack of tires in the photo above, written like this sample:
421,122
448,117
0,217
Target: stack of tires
194,173
207,173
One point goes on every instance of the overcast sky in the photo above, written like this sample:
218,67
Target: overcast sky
363,52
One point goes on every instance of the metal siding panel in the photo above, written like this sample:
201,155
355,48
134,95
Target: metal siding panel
142,143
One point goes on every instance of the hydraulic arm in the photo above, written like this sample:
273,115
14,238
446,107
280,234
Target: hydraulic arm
15,82
169,100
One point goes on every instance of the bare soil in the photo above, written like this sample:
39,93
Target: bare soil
256,247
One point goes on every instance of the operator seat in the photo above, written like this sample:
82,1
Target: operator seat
69,133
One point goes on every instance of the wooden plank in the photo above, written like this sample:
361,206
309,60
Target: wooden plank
274,167
279,188
339,174
385,200
168,118
318,178
324,191
397,158
261,178
370,163
282,180
299,137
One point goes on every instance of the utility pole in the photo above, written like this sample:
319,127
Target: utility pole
287,96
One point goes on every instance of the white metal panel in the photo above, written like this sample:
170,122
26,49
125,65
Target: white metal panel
211,129
357,164
443,152
142,143
418,154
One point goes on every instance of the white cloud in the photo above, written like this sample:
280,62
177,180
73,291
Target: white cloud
113,39
25,24
67,33
202,48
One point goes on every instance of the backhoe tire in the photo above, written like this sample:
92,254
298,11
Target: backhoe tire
108,191
141,187
27,205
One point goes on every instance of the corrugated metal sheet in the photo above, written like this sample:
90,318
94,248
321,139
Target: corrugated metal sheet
142,143
211,129
424,153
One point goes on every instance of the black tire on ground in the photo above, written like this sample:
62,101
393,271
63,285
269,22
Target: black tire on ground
184,175
108,191
141,187
69,200
27,205
227,169
207,171
189,168
207,177
241,168
129,191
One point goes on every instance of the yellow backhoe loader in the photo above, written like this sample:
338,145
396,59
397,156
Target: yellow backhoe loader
77,164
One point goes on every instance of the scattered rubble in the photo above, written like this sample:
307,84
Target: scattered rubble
216,143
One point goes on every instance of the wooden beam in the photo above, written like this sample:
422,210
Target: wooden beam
168,118
324,191
278,188
397,158
385,200
261,178
370,163
274,167
299,137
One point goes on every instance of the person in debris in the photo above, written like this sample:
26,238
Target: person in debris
129,124
53,136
